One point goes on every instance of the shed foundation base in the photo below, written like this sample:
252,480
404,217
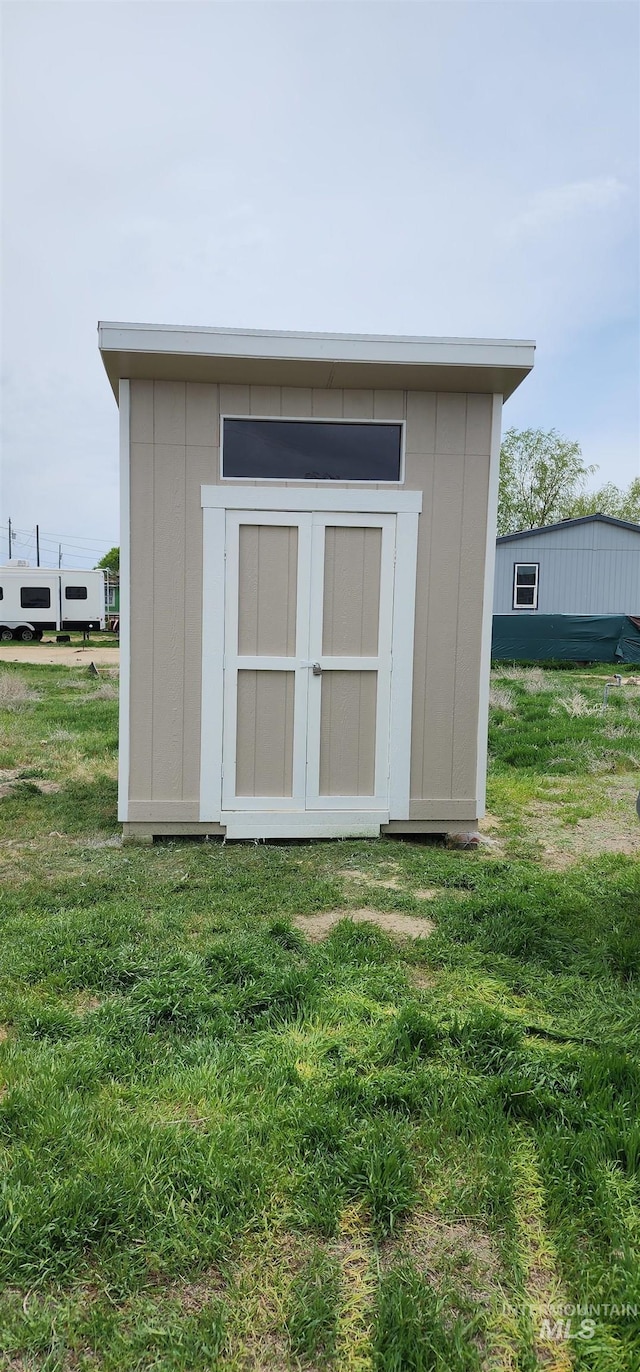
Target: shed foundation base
144,832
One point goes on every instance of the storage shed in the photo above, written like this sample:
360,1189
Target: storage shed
307,549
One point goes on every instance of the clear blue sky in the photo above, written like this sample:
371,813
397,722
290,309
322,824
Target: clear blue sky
423,168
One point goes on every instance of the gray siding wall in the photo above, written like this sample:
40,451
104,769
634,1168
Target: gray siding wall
588,569
174,450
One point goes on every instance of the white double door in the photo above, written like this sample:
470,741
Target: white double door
316,669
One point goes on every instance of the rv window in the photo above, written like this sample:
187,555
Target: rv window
310,450
525,585
35,597
1,593
75,593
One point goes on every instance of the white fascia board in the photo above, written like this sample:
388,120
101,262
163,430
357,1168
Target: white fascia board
258,343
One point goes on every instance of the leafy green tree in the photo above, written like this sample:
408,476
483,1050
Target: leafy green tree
610,500
111,561
542,474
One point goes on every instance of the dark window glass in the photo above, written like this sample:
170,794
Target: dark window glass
1,593
35,597
525,595
75,593
301,450
526,576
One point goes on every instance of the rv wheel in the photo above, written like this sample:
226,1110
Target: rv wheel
6,635
26,635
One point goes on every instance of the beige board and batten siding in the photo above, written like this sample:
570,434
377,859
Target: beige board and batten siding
174,451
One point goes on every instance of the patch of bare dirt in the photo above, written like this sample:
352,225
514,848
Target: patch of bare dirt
393,882
420,978
50,654
385,883
13,787
488,822
613,830
84,1003
316,927
457,1249
194,1296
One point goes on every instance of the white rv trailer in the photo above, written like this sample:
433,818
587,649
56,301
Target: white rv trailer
33,599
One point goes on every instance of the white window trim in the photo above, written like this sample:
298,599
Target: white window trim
315,419
516,588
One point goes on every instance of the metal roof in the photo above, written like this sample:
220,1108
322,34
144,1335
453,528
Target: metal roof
569,524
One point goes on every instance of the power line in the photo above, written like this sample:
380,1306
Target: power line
77,538
53,541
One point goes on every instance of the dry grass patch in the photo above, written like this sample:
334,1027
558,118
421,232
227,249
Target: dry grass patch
393,882
107,691
390,883
194,1296
455,1249
262,1282
419,978
14,691
613,829
354,1252
543,1287
501,698
316,927
84,1003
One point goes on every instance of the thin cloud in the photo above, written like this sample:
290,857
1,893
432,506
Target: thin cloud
562,205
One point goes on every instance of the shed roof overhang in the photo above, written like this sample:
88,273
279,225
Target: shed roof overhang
266,358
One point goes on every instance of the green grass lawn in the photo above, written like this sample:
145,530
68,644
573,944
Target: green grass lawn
225,1146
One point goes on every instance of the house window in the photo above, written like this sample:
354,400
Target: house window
310,450
75,593
525,585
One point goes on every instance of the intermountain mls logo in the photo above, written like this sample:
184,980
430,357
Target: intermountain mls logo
580,1321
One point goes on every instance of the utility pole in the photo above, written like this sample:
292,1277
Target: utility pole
9,540
37,545
59,555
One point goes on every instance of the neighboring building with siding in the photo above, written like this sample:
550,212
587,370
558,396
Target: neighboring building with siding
307,550
588,566
573,587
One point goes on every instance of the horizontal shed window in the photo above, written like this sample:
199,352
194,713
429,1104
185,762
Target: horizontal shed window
525,585
35,597
308,450
75,593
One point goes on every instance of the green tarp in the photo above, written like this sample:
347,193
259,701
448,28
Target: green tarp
569,638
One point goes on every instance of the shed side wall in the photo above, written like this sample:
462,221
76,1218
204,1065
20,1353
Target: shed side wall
174,450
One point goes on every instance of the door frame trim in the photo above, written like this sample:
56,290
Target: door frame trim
310,499
215,501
